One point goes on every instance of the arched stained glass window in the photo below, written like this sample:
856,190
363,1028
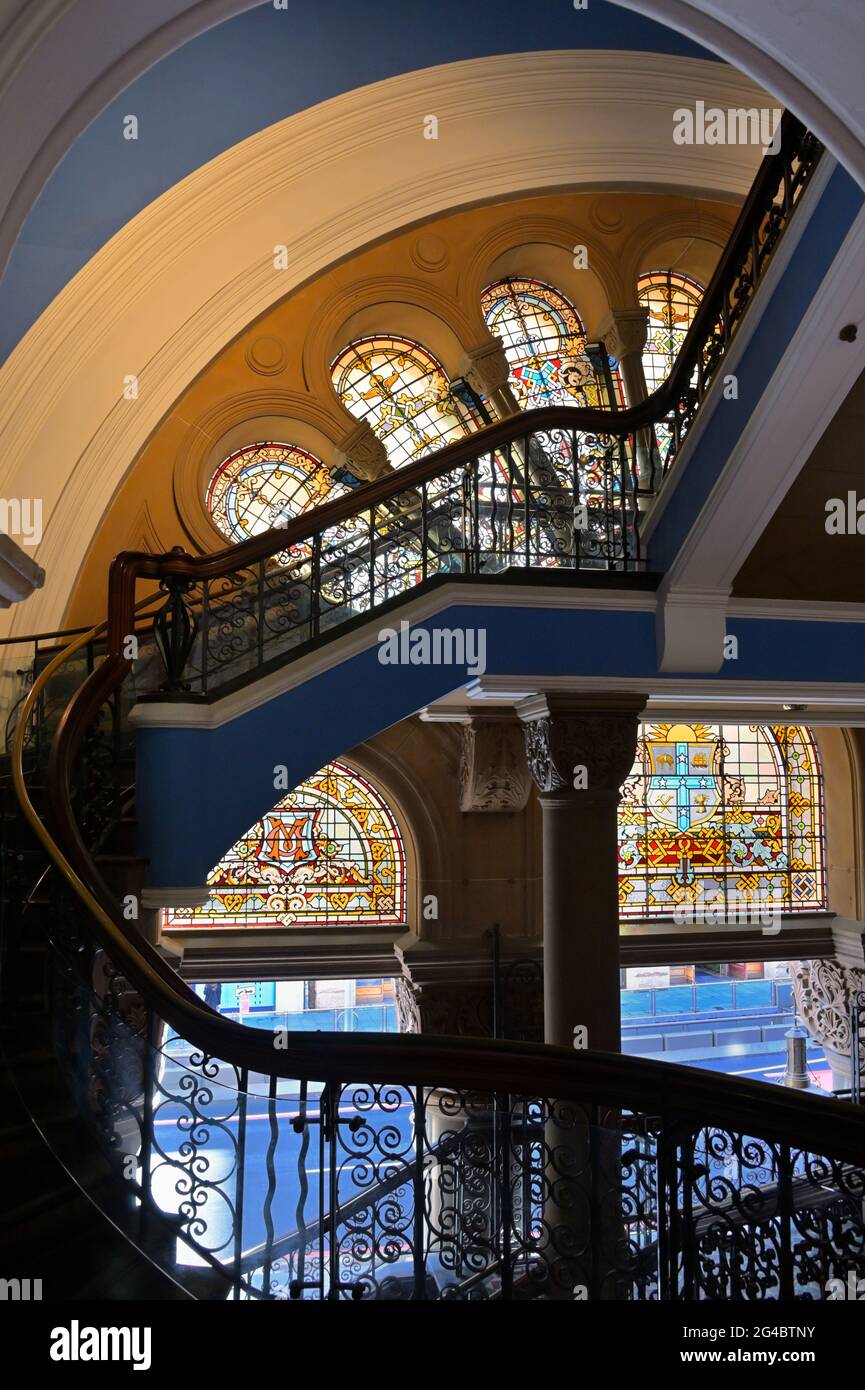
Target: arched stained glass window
403,392
329,854
266,485
672,300
722,816
545,344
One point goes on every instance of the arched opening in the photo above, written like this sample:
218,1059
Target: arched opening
331,853
262,486
404,395
545,343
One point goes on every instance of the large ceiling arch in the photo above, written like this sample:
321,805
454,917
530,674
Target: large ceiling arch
197,266
199,76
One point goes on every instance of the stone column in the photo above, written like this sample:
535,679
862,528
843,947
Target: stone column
624,332
580,749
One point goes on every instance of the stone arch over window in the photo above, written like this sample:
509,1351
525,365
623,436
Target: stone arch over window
546,347
671,300
261,486
722,820
331,853
403,392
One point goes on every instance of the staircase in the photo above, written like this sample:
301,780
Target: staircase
194,1158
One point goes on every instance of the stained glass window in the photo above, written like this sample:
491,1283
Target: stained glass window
329,854
403,392
722,815
545,344
672,300
266,485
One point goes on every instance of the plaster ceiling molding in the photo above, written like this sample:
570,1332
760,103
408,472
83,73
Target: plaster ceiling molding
142,533
398,304
542,248
165,295
693,240
266,355
430,252
808,54
287,417
607,214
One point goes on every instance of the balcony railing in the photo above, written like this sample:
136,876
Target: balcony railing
554,493
363,1166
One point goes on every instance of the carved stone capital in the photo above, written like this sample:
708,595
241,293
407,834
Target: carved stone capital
363,452
449,991
825,992
485,368
624,331
493,772
565,733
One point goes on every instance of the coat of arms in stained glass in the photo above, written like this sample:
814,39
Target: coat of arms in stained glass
330,853
728,815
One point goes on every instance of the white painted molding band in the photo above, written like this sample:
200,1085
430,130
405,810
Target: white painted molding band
153,899
760,702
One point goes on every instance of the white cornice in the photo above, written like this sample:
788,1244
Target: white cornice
193,269
759,702
791,610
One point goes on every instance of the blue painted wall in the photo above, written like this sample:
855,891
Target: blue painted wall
199,790
257,69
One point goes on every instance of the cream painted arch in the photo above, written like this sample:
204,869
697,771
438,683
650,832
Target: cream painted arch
694,240
175,285
542,248
407,306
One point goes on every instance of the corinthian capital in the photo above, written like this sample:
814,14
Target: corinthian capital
595,733
624,331
364,452
485,368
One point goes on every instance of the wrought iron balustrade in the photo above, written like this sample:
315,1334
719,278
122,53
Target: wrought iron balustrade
370,1166
553,491
610,1178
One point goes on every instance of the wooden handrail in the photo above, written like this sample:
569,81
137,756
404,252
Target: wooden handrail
689,1096
482,1064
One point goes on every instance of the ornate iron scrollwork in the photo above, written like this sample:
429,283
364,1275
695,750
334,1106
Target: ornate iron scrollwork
175,628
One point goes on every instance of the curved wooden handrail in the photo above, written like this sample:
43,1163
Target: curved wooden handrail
601,1079
607,1079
